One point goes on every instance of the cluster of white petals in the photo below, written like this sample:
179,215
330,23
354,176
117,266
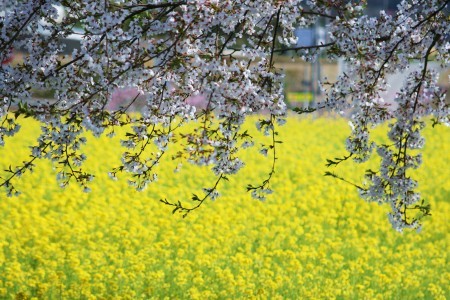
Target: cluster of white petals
174,53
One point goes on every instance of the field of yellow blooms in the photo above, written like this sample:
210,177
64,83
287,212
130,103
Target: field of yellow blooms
312,239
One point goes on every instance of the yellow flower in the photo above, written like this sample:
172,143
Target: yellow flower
312,239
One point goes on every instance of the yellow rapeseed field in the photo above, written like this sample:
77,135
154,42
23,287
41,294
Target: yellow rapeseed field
312,239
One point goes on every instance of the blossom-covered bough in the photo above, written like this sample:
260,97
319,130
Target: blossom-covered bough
222,51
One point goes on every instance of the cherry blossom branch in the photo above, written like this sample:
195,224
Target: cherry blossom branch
179,207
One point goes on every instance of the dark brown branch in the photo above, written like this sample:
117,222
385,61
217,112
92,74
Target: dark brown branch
147,7
274,39
431,15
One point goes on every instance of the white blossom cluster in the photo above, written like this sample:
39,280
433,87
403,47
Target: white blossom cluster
373,48
173,51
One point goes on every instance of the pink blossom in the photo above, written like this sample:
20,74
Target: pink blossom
122,97
199,101
9,57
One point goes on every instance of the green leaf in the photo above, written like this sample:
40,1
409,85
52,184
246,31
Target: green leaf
306,110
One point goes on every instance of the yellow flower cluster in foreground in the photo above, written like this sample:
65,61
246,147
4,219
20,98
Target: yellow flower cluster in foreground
312,239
